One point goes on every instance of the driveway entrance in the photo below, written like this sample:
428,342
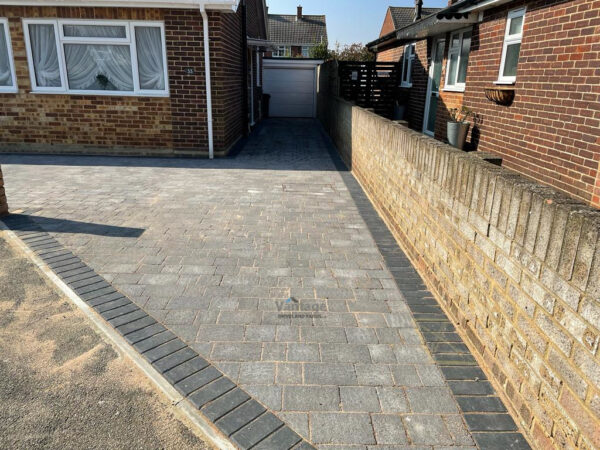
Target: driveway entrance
263,264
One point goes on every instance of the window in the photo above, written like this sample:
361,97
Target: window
407,62
97,57
305,51
458,61
283,52
8,80
512,46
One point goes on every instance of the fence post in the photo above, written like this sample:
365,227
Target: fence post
3,202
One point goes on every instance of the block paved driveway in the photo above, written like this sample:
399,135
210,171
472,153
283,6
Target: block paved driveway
214,249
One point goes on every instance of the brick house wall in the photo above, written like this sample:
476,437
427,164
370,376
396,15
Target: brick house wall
133,125
550,132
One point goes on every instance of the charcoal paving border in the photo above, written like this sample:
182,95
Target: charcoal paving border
239,417
485,414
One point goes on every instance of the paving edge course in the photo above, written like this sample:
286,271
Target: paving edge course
223,412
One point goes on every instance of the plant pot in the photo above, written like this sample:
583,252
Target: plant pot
399,111
457,133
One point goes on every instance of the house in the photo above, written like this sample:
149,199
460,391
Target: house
527,68
295,35
149,78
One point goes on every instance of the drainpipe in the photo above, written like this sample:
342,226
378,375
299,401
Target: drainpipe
245,67
209,112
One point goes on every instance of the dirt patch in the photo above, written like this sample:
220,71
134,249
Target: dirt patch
62,385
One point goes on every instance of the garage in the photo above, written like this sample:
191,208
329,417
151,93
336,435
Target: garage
292,85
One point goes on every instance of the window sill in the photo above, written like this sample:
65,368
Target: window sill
504,83
406,85
102,94
454,89
11,90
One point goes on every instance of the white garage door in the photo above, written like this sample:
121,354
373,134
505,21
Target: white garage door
292,91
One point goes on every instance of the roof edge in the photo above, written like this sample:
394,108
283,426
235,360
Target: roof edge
222,5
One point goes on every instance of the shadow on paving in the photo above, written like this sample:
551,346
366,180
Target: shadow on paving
61,385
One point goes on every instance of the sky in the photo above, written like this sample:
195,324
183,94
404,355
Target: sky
348,21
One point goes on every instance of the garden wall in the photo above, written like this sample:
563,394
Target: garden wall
515,264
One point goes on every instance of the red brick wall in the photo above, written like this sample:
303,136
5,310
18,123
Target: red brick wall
145,124
551,131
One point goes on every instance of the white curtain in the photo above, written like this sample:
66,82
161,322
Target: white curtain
5,75
98,66
150,58
45,56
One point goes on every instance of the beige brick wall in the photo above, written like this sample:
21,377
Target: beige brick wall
3,203
514,263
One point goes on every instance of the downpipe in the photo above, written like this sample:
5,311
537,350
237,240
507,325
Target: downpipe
209,112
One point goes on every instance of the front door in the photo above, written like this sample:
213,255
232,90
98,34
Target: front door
433,87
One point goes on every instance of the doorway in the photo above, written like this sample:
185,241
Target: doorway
433,87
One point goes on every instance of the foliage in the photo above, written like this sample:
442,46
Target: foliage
352,52
320,52
461,114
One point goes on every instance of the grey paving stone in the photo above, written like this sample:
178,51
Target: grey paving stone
225,333
268,395
406,375
289,373
392,399
211,391
341,428
225,404
284,438
323,334
382,353
501,441
340,353
185,369
257,430
374,375
389,429
359,399
427,430
236,352
257,373
431,400
240,417
490,422
312,398
197,380
330,374
303,352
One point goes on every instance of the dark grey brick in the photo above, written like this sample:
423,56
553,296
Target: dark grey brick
197,380
471,387
154,341
125,308
115,304
127,318
239,417
67,266
144,333
174,359
501,441
449,359
282,439
61,263
441,337
463,373
84,283
109,297
480,404
448,347
257,430
163,350
178,373
490,422
78,276
136,325
228,402
92,287
96,294
211,391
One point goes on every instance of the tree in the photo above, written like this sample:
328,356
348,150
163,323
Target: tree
320,52
352,52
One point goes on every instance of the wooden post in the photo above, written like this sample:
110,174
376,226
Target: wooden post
3,203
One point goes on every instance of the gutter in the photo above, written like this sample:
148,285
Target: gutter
209,109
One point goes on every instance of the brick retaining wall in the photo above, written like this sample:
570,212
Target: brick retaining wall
3,203
515,264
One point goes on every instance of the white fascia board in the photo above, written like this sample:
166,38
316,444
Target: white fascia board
223,5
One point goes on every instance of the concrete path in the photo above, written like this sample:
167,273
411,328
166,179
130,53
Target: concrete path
61,385
265,266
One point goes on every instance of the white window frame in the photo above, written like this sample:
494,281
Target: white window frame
510,40
286,49
11,60
408,58
307,47
129,40
456,87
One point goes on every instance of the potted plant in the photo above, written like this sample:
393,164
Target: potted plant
458,126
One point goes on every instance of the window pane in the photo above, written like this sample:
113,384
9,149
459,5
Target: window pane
99,67
44,55
5,75
464,58
516,25
452,69
101,31
511,60
455,41
151,67
432,113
